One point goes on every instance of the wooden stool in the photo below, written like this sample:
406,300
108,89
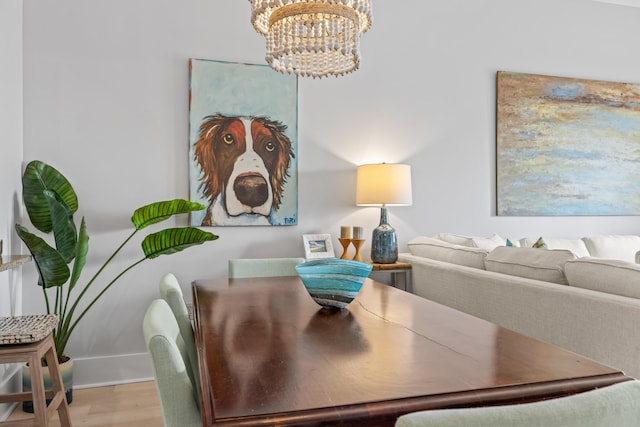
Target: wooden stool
29,339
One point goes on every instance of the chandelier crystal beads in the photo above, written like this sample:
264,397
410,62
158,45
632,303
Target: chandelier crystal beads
313,38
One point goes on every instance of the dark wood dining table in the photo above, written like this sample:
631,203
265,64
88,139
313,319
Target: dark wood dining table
269,355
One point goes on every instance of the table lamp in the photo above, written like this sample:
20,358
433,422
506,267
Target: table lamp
383,185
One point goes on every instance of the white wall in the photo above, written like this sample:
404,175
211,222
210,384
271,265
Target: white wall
105,92
10,145
10,163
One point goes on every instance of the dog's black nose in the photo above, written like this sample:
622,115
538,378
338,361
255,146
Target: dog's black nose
251,189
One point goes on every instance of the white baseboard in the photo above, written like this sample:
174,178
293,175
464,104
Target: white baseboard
110,370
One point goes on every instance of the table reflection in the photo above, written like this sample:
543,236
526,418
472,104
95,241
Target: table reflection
335,333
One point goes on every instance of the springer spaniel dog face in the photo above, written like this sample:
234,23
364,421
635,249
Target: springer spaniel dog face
244,163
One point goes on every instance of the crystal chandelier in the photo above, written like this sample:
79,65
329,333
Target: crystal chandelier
313,38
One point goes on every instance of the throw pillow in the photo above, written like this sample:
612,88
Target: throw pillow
540,244
622,247
512,244
576,246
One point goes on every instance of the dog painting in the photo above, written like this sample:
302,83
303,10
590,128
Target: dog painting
244,162
243,123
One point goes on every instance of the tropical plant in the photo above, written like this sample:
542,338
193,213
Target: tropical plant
51,201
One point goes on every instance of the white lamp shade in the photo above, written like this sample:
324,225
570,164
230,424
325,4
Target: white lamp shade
383,184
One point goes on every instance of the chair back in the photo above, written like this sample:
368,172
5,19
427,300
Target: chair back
263,267
169,360
171,292
616,405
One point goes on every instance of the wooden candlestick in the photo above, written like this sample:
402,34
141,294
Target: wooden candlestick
345,246
357,243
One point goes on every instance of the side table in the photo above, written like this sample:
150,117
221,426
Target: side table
400,273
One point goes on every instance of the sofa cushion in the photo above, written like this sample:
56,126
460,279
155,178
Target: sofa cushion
613,247
472,241
456,239
488,243
448,252
605,275
532,263
577,246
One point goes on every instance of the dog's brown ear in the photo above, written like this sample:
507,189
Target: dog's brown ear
281,171
205,155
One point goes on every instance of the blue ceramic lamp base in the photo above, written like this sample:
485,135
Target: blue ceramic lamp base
384,243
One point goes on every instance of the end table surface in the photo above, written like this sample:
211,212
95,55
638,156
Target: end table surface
269,355
393,266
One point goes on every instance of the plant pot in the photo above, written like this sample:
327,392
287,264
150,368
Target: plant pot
66,370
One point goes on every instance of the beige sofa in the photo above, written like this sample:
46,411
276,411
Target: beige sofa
589,305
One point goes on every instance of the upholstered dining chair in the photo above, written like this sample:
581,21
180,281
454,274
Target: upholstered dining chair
169,360
616,405
263,267
171,292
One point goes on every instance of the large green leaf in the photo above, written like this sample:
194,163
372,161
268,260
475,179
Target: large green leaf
64,229
37,177
160,211
51,266
82,248
172,240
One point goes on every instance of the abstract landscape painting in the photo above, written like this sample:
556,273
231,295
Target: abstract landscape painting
567,146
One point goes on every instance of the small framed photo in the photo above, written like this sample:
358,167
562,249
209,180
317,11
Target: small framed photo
317,246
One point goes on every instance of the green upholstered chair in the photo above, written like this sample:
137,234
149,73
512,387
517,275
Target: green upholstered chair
616,405
171,292
169,360
263,267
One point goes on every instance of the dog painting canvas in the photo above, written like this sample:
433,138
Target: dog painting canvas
242,144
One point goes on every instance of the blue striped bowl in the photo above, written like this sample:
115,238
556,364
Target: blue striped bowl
332,282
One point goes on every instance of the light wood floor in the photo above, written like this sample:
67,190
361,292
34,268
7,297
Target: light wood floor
129,405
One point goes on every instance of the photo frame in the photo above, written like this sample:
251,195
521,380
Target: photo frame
318,246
